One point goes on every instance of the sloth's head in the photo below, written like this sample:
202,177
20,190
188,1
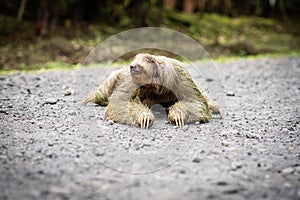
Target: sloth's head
144,69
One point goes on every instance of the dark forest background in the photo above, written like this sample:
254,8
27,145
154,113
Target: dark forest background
65,31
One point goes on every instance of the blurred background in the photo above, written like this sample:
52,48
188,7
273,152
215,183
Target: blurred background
37,34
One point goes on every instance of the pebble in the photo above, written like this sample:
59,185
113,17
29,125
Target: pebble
72,113
110,122
235,132
50,144
288,170
287,185
235,165
3,111
224,143
136,183
100,153
63,192
197,122
67,92
222,183
230,94
51,101
185,128
196,160
231,191
252,136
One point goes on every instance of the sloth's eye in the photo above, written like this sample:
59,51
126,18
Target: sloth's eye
132,67
139,67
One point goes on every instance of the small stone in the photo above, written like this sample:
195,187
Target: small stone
63,192
197,122
252,136
137,146
136,183
209,79
51,101
222,183
235,166
231,191
145,145
224,133
3,111
298,193
230,94
235,132
67,92
185,128
72,113
110,122
224,143
288,170
196,160
100,153
10,84
287,185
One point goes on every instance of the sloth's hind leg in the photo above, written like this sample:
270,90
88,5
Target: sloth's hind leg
184,112
128,112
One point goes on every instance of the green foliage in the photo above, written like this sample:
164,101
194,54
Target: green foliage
221,36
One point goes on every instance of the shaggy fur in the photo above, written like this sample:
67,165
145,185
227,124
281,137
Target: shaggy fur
130,92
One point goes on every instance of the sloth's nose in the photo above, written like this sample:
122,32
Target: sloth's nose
132,67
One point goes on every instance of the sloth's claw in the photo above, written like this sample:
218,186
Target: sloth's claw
89,98
179,121
178,117
146,120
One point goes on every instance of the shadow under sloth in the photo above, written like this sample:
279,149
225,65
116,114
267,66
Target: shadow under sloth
130,92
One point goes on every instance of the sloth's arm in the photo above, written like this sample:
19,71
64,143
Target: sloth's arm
192,104
104,91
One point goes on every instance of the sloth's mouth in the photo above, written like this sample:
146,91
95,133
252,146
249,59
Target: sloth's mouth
135,71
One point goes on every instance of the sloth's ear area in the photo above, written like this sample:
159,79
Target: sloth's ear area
155,69
154,63
149,58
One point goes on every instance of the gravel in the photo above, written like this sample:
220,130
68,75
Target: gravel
51,147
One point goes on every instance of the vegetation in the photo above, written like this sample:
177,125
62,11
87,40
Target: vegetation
45,34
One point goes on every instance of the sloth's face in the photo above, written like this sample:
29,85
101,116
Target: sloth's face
144,70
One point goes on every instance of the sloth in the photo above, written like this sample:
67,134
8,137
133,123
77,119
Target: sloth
130,92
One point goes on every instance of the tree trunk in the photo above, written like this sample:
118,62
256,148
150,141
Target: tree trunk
42,18
201,5
55,10
170,4
266,8
188,6
280,5
21,10
227,7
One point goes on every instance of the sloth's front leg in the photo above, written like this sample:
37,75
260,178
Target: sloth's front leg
141,115
184,112
177,115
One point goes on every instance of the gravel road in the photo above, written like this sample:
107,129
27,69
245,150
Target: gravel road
51,147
